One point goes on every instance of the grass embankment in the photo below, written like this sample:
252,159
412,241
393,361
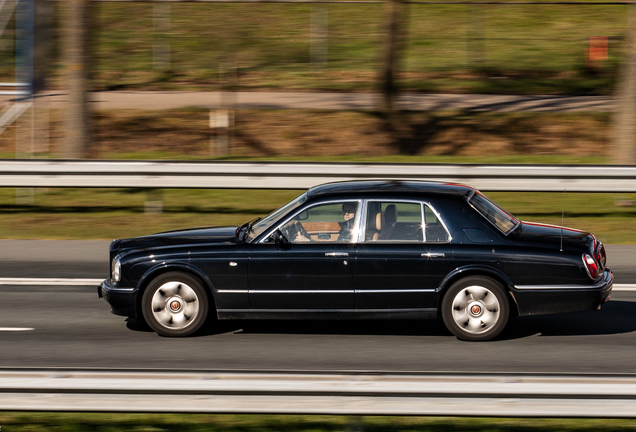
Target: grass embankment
448,48
99,422
364,136
117,213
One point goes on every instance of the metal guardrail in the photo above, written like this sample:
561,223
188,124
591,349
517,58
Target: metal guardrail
319,393
281,175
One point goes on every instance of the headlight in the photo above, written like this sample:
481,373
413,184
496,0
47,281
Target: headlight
116,269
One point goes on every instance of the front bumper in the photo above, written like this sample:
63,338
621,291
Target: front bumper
538,300
123,301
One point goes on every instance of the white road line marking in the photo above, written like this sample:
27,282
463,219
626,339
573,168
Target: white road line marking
49,281
624,287
16,328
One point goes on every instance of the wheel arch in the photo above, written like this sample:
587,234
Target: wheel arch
153,272
476,270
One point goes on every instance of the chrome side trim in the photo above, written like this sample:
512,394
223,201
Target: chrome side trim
223,291
327,310
422,290
337,254
607,280
300,291
432,255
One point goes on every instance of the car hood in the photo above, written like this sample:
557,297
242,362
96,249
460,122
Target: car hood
543,233
179,238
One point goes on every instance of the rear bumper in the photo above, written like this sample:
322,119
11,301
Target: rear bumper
123,301
539,299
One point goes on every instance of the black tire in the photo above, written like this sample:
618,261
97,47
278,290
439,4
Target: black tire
475,308
175,304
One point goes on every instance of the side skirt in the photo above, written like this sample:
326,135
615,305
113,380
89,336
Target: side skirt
327,314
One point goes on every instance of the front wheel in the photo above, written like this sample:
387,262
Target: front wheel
475,308
175,304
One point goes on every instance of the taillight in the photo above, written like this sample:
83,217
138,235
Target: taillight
590,266
601,257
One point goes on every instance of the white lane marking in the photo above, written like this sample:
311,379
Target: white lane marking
49,281
624,287
16,328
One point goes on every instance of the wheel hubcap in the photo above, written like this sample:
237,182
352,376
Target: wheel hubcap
175,305
476,309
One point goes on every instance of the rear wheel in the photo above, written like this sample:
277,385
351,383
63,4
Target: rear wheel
475,308
175,304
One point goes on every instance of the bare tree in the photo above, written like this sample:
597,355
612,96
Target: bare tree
394,37
624,127
76,22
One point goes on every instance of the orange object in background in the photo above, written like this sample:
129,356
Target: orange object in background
597,51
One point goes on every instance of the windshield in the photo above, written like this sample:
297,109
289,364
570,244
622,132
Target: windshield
262,225
495,214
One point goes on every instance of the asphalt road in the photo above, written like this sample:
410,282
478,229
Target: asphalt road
73,328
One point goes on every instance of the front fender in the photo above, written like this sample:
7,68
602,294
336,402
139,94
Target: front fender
158,269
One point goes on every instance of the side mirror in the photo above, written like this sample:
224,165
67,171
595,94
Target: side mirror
279,238
302,215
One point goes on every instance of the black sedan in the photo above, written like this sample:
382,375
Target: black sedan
362,250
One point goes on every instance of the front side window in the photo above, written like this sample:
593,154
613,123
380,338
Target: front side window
332,222
262,225
495,214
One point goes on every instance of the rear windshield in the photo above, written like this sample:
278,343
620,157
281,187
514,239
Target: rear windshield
495,214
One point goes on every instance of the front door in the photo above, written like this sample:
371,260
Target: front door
315,271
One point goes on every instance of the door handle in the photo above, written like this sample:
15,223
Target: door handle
337,254
433,255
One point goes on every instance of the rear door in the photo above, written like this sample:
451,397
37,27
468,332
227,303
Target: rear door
403,258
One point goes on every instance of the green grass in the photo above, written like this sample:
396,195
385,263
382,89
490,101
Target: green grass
106,422
448,48
118,213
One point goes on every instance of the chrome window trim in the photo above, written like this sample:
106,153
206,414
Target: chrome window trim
356,224
363,228
518,221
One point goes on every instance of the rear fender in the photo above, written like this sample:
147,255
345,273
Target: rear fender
478,270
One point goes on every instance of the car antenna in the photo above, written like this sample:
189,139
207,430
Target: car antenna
562,216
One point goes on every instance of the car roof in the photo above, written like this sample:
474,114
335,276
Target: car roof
410,187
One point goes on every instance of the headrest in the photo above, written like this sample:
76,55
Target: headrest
390,214
378,221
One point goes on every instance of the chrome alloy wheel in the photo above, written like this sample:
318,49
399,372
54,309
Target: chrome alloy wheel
475,309
175,305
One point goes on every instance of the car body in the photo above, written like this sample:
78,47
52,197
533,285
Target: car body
363,249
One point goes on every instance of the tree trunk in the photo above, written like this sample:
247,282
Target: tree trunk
77,14
624,128
394,37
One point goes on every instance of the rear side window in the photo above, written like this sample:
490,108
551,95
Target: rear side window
403,222
495,214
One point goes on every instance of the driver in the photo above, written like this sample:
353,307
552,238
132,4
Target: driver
346,227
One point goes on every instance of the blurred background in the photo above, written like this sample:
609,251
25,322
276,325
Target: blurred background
173,80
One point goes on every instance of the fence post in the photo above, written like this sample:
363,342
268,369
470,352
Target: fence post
624,128
161,38
319,34
76,21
